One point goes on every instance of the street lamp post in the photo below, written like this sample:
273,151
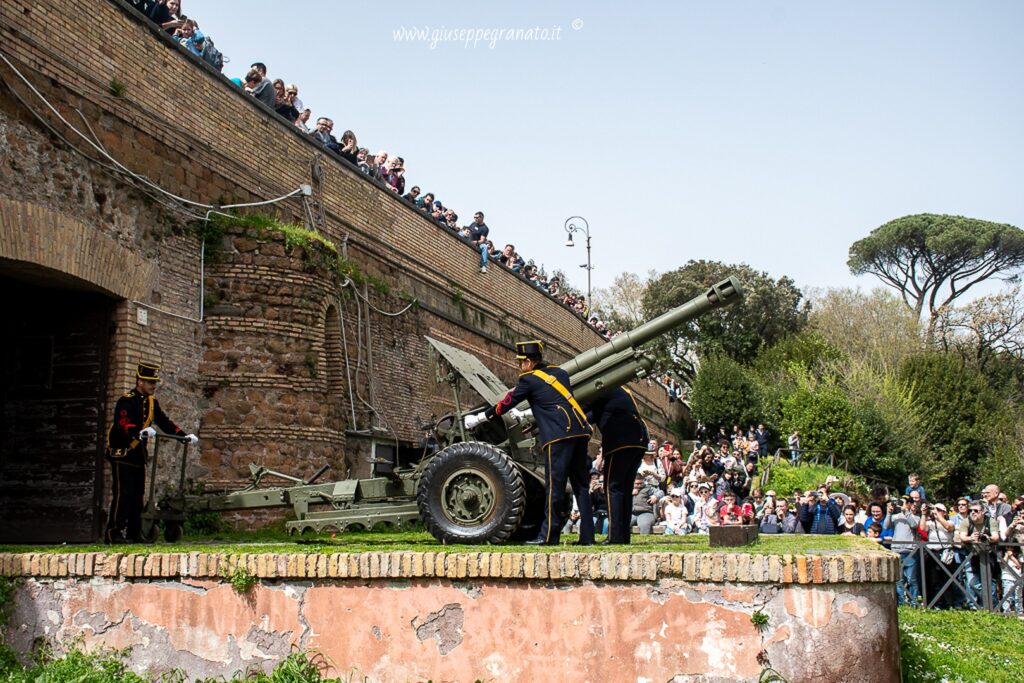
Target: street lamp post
579,224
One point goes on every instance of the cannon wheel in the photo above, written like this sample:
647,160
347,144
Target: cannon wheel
173,531
471,493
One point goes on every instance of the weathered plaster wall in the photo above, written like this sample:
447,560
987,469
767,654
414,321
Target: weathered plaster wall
467,616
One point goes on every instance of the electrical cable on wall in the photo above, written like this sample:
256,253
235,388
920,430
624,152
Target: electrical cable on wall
123,171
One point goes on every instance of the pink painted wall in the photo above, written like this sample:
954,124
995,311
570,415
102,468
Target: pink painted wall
490,629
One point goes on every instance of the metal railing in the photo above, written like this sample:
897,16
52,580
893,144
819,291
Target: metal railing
980,576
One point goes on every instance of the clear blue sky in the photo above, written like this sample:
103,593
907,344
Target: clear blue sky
771,133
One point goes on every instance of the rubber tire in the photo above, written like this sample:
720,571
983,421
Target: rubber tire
173,531
149,537
496,470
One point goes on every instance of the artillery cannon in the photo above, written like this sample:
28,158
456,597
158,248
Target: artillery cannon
486,484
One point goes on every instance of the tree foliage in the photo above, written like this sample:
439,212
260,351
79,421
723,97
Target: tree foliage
985,328
875,328
931,259
770,310
960,414
825,418
725,393
621,303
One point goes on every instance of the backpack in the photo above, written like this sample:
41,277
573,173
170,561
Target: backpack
212,56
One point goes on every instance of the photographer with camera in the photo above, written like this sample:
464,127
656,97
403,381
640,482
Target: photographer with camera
1013,565
978,532
904,524
940,532
819,514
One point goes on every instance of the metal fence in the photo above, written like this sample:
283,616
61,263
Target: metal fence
980,576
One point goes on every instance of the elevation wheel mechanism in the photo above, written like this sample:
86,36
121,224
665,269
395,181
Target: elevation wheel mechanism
471,493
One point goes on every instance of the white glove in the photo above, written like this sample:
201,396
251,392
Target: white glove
473,420
192,439
147,433
520,415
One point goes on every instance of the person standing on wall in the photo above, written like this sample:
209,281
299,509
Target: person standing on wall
134,415
623,442
563,433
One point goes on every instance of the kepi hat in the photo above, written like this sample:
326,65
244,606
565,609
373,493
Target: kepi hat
532,350
148,371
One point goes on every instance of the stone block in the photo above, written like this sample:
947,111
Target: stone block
732,536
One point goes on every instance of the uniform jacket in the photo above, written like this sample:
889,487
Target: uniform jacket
131,416
556,418
616,415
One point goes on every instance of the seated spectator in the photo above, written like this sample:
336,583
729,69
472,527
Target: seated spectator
189,35
425,202
478,231
378,164
598,501
492,251
518,264
728,512
292,91
675,515
554,286
413,194
788,519
770,522
348,148
646,495
650,466
168,15
260,88
322,132
572,525
282,102
704,509
394,176
363,160
848,525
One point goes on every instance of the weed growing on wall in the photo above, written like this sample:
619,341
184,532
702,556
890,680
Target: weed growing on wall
241,580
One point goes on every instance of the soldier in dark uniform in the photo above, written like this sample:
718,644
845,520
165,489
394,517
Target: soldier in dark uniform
562,435
134,415
623,442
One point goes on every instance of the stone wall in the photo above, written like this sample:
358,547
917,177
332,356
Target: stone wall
466,616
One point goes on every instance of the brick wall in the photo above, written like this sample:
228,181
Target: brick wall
189,130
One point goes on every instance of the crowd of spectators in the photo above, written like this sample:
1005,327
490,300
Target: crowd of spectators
718,485
387,169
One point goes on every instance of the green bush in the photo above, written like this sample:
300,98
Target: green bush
825,419
785,478
961,415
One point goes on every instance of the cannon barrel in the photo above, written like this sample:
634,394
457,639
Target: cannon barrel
724,293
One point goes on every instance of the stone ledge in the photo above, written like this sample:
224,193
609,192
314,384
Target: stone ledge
865,567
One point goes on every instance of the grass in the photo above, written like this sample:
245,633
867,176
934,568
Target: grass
960,646
110,666
276,541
